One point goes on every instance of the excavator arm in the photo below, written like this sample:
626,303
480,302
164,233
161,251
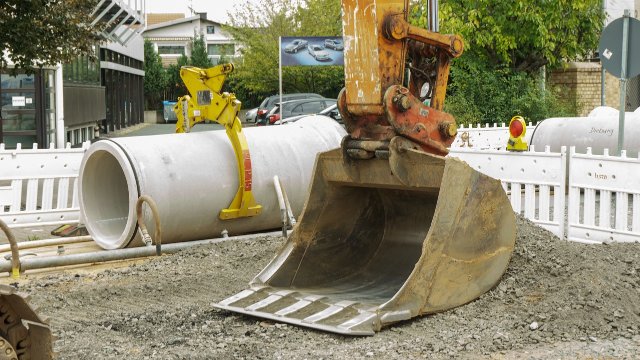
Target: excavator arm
374,104
392,228
206,102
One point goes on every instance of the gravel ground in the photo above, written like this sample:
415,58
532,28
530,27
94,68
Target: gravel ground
557,300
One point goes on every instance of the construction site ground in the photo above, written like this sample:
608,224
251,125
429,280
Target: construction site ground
558,300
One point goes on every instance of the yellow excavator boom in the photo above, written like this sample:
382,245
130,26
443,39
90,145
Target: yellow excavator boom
392,227
206,102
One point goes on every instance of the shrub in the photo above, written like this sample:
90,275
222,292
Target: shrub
480,94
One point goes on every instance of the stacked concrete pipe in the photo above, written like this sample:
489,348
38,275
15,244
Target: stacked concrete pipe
193,176
598,131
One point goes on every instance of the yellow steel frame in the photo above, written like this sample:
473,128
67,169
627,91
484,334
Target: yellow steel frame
223,108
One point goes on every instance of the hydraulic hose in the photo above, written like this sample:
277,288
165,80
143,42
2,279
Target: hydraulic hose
15,256
143,228
281,205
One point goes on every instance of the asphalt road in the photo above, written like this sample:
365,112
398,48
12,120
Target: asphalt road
160,129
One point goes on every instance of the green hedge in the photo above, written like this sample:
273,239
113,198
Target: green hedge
479,94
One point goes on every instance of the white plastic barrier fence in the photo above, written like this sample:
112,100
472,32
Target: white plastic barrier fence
534,181
39,186
604,198
483,138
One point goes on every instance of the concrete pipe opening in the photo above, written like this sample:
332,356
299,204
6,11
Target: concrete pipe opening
106,191
192,176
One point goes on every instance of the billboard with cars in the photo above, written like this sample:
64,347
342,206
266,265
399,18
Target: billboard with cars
311,50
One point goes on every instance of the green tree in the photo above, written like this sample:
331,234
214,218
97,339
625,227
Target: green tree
521,34
39,33
258,26
507,43
155,78
175,85
199,56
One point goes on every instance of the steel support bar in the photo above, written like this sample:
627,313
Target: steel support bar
116,255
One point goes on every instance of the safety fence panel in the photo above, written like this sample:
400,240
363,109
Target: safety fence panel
39,186
604,198
534,181
488,137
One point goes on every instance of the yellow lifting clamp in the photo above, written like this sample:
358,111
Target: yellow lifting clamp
223,108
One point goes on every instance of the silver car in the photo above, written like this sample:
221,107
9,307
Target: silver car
333,44
318,52
295,46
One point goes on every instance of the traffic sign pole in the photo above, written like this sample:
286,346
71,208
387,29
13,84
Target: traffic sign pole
619,42
623,81
603,73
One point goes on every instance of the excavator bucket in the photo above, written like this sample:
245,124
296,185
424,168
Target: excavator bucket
384,240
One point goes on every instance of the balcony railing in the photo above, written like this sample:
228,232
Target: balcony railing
123,19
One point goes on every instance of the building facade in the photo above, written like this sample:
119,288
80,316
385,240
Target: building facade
74,102
28,106
171,39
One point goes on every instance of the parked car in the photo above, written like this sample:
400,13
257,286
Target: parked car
250,115
331,111
287,109
270,101
319,53
333,44
295,46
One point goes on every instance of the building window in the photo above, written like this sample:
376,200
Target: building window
220,49
83,70
211,29
170,50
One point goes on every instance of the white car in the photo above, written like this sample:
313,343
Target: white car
318,52
250,115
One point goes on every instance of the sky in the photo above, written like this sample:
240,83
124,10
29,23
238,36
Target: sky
216,9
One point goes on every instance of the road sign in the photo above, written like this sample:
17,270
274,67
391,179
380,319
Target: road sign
610,48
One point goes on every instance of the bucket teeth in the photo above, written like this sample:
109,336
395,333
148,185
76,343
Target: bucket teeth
314,311
239,296
385,240
332,310
269,300
299,305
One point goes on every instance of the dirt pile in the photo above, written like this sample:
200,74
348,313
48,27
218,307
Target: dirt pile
557,299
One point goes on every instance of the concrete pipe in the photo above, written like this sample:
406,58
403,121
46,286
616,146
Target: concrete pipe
604,111
193,176
598,131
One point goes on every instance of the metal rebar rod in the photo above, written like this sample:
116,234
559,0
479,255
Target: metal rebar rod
118,254
22,245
